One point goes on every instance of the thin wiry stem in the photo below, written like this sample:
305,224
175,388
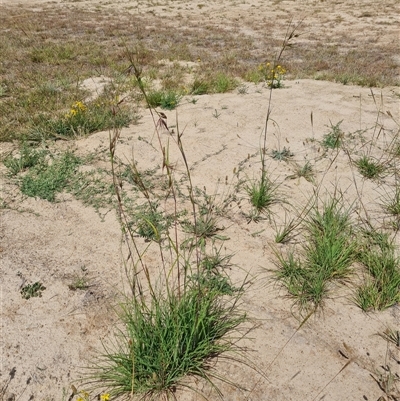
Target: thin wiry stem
290,34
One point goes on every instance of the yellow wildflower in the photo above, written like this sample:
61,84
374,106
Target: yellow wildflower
105,397
80,106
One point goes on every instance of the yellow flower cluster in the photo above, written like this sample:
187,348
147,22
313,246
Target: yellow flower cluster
77,108
272,73
268,69
84,396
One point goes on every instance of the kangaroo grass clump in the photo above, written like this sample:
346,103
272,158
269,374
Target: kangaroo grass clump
182,311
166,339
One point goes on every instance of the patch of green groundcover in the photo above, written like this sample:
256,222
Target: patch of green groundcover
46,180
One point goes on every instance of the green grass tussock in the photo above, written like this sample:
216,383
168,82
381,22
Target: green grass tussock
381,287
325,257
166,340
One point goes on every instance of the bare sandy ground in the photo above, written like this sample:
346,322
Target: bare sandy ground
46,341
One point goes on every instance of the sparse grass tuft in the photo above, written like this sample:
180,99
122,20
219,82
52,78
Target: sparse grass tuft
306,171
200,87
381,288
80,282
391,205
28,157
369,167
392,336
181,313
222,83
262,193
285,233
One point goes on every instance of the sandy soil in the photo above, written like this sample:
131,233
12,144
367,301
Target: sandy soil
46,341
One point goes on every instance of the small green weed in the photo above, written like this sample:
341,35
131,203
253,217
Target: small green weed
210,274
215,261
150,223
32,290
167,100
369,167
282,154
333,139
79,283
214,281
93,188
205,227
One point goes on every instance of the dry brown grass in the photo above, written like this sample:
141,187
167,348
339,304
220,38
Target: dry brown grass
44,54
